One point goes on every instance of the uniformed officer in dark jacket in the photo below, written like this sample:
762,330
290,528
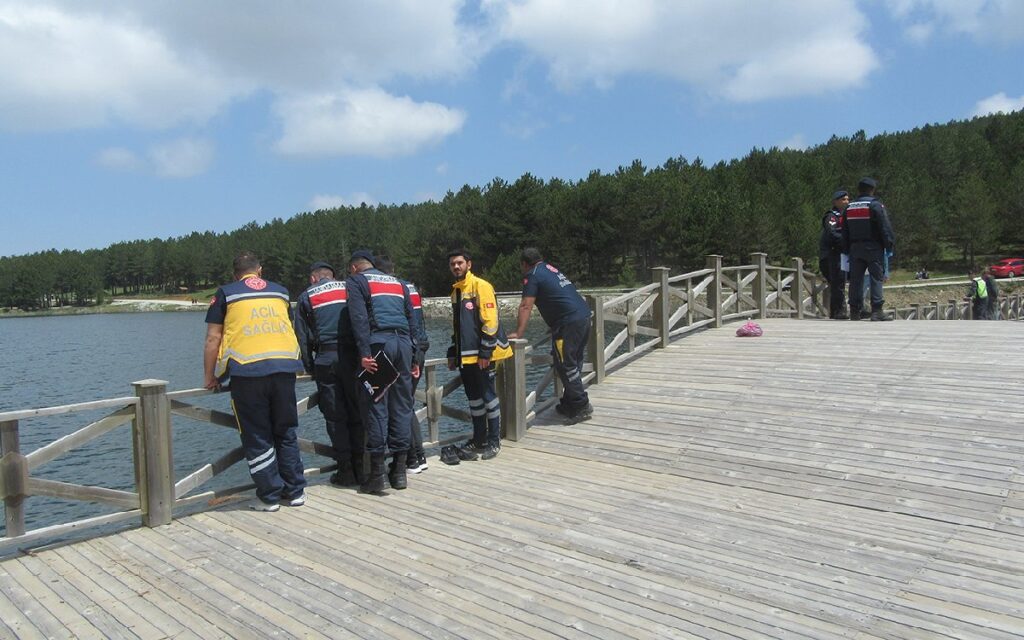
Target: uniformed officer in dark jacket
319,316
568,315
867,235
830,250
380,309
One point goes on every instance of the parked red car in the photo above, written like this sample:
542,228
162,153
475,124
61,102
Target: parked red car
1008,268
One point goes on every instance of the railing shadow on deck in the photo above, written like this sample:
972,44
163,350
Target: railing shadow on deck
647,318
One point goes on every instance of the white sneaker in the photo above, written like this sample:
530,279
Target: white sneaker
297,501
259,505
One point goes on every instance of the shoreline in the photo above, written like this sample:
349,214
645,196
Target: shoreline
438,307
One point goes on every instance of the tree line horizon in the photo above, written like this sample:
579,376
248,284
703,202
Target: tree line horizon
954,192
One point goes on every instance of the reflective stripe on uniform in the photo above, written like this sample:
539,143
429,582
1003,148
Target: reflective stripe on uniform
263,460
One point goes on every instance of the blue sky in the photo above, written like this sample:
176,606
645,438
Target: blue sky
125,120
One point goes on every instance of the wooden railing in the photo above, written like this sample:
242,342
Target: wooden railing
650,317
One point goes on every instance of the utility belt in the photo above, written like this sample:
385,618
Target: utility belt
327,348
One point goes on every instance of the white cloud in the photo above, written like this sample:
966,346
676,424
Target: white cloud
998,103
67,64
362,122
182,158
63,70
795,142
984,20
441,169
920,33
740,50
119,159
332,201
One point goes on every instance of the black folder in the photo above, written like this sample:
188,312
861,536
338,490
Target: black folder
376,384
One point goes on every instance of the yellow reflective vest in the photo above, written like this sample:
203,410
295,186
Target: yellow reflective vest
258,336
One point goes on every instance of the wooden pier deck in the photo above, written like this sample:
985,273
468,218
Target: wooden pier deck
827,480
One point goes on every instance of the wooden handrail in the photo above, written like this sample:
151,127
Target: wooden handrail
670,307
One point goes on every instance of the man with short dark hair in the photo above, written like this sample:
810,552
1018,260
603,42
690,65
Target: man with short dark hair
380,309
320,315
478,342
249,337
567,313
867,236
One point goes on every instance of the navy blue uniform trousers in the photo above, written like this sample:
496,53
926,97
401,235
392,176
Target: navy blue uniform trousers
387,421
336,384
267,423
569,361
483,403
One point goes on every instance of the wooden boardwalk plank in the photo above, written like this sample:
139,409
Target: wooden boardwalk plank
725,488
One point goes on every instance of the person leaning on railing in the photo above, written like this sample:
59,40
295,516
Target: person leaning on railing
567,313
249,338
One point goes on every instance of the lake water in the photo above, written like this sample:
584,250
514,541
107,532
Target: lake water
60,360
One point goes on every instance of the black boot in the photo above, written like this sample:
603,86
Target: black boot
377,481
879,316
359,467
344,476
396,475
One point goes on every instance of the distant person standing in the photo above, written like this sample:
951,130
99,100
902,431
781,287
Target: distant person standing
478,342
867,235
567,314
319,316
977,293
993,294
380,309
830,250
249,337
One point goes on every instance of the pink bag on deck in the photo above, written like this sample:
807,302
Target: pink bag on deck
749,330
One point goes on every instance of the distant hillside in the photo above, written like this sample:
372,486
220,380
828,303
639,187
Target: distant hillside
954,191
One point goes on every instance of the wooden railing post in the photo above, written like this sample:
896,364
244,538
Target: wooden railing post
595,346
761,283
938,309
916,306
796,290
13,478
512,391
154,466
663,306
714,290
954,309
433,401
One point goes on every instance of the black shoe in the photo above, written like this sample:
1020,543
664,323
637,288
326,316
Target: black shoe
344,476
579,416
377,481
841,316
448,454
854,315
864,315
490,451
561,410
396,474
880,316
468,451
416,464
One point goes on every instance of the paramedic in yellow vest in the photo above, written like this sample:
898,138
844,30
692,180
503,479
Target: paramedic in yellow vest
249,338
478,342
977,293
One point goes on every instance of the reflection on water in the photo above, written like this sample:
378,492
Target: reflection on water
61,360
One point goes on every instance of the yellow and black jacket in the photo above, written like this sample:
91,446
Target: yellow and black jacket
258,336
477,330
